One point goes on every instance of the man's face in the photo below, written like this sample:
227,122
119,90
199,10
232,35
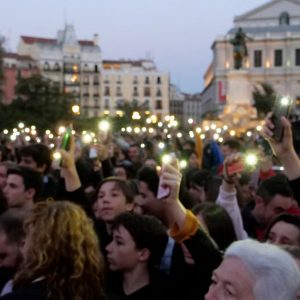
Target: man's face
133,153
148,201
197,193
3,176
27,161
231,281
283,233
10,254
276,206
226,150
14,191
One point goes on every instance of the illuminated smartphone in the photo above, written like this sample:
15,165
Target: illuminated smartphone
93,153
281,108
164,191
65,142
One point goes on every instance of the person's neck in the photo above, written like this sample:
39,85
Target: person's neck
255,213
135,279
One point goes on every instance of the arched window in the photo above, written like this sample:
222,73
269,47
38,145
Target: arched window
284,19
46,66
57,67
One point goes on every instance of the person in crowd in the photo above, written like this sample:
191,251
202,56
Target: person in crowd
63,260
142,241
23,187
4,166
124,170
39,158
284,230
217,222
11,241
253,271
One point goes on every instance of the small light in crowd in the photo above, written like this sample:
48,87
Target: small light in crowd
13,137
175,123
5,131
27,130
33,127
213,126
56,155
21,125
190,121
129,129
219,130
165,130
84,132
148,121
52,146
202,136
167,118
251,159
123,129
103,125
198,130
38,140
87,138
225,127
232,132
249,133
151,130
137,130
284,101
179,135
143,145
183,164
33,132
47,131
51,136
216,136
160,124
73,132
206,128
166,159
27,138
15,130
258,128
169,136
93,134
154,118
191,133
281,168
61,130
220,140
144,129
161,145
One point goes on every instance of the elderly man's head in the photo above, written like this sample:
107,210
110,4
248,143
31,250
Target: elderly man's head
255,271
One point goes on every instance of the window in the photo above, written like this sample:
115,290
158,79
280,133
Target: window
57,67
158,80
119,91
96,69
158,104
46,66
106,104
135,80
297,57
107,91
135,92
278,58
147,92
284,19
147,80
96,80
158,92
257,58
86,80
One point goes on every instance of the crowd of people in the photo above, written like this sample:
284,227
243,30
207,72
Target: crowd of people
113,220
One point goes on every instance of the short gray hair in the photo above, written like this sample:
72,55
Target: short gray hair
275,272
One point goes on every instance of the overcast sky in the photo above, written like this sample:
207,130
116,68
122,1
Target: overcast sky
177,34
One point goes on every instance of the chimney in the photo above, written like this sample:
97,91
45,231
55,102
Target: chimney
96,39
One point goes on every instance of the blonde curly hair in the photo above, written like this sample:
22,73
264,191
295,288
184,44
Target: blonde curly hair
63,248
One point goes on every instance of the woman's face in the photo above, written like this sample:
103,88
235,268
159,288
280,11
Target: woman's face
111,202
283,233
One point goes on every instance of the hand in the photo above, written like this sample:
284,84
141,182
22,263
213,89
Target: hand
286,145
171,177
230,160
68,158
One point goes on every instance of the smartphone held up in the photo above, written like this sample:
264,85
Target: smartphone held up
282,108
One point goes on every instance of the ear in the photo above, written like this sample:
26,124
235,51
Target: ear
144,255
30,193
259,201
129,206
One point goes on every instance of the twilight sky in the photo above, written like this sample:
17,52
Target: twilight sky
177,34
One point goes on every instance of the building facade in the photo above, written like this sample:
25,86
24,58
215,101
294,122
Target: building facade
97,86
15,67
273,44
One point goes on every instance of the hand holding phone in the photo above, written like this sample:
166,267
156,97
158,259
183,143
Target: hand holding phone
164,191
281,108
